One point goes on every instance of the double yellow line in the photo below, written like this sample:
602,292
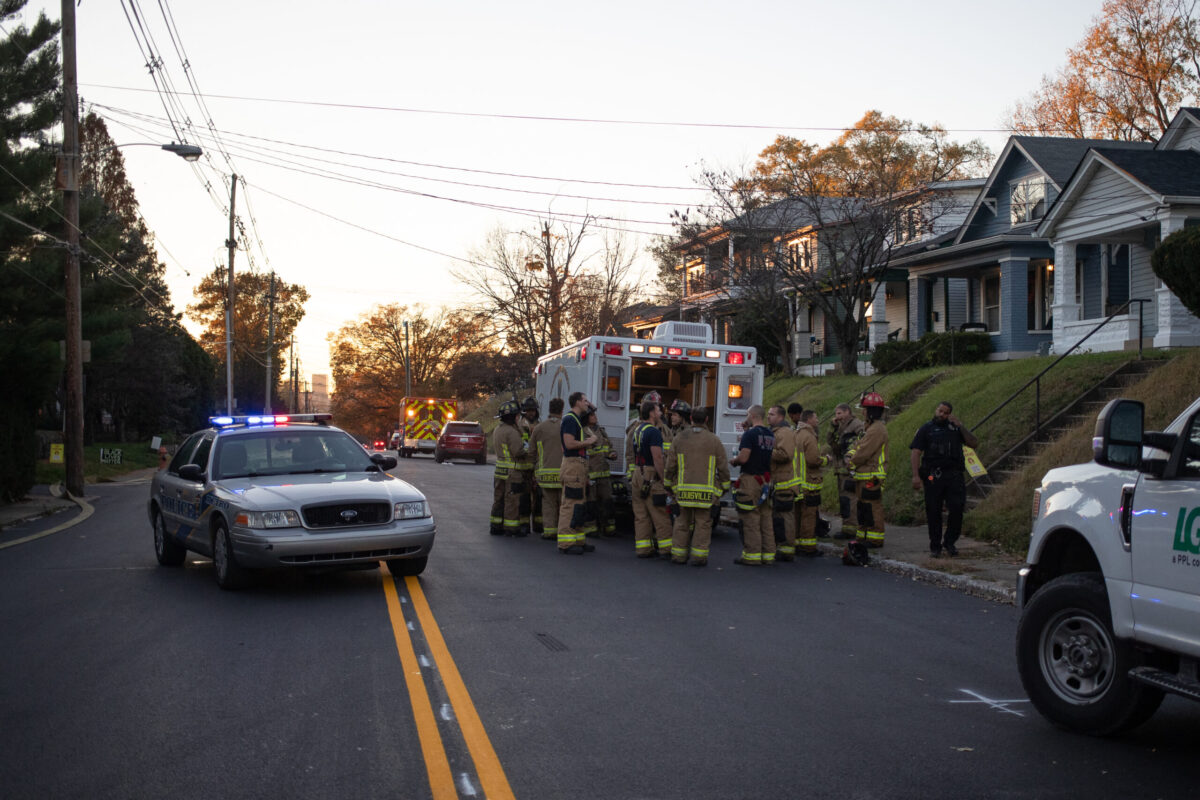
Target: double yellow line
487,765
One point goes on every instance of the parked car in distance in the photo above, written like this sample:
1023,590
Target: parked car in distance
461,440
396,440
380,445
286,492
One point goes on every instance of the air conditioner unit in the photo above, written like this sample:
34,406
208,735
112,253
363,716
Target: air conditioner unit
676,331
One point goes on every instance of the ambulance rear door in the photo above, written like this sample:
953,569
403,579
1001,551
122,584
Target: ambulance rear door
738,388
611,399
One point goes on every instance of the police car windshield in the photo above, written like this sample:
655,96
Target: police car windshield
287,451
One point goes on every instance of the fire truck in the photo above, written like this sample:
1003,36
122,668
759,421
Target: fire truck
680,361
421,420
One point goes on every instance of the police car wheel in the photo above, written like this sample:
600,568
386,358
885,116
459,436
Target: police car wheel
229,574
169,552
407,566
1075,671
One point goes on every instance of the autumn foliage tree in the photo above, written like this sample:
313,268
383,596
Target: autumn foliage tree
251,329
367,360
1136,65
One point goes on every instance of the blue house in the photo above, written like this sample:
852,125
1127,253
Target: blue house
997,272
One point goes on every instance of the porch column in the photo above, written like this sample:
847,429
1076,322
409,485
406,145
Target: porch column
1014,311
877,329
1065,309
1177,327
918,309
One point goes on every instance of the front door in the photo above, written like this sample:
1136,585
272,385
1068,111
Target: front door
612,403
1165,544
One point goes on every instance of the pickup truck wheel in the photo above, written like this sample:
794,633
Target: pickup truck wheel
229,573
438,456
169,552
1075,671
480,459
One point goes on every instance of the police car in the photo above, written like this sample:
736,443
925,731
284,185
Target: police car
277,491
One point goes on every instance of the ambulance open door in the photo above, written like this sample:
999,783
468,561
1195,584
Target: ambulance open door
612,402
737,390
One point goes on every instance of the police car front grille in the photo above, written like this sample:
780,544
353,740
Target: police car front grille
336,515
350,555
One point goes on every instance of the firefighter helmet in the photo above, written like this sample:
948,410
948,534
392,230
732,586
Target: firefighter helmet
652,397
530,404
508,408
681,408
855,554
871,400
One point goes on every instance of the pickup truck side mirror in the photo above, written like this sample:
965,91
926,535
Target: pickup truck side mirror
1118,438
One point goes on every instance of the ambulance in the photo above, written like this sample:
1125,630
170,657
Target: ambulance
421,420
680,362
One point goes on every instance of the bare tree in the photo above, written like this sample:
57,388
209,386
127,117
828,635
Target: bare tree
543,288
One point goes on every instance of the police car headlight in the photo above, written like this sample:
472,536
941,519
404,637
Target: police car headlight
267,519
413,509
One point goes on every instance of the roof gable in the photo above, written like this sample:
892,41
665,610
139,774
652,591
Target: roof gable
1185,119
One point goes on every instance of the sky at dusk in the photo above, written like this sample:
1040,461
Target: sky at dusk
381,141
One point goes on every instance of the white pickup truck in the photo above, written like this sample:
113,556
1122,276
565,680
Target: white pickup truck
1110,593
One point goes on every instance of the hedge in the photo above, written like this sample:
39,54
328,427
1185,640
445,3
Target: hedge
940,349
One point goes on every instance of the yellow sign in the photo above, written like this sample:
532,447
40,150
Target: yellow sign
56,454
975,467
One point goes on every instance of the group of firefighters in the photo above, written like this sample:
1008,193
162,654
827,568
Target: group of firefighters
553,477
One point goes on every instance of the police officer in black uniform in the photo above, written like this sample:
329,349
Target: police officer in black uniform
937,467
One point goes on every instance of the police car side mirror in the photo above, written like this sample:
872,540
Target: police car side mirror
1118,437
383,462
192,472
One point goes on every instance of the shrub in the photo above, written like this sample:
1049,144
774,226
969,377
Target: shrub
953,347
1174,261
890,355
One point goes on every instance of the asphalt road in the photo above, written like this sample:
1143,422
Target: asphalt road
591,676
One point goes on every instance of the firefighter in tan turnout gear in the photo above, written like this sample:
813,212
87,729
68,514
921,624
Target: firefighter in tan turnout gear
752,499
786,482
526,423
843,433
867,461
651,522
600,455
546,444
697,472
809,462
573,473
508,485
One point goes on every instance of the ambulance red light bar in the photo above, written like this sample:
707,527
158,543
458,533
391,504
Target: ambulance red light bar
614,350
735,358
583,353
674,351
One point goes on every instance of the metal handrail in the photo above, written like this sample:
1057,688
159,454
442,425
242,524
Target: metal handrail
1036,380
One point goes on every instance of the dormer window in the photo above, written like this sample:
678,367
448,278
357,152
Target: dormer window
1027,200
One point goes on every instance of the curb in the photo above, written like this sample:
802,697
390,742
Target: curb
984,589
86,510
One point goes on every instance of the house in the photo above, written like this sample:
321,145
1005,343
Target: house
1114,209
997,271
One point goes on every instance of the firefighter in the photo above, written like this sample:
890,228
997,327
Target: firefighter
631,429
867,461
794,411
753,494
651,523
508,485
696,467
785,480
574,476
526,423
844,431
679,417
600,475
546,444
809,462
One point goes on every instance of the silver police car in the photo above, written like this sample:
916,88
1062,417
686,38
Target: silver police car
278,491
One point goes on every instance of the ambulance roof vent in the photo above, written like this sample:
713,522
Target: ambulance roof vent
676,331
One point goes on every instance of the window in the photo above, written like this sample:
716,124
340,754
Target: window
991,302
907,225
1191,450
739,393
200,458
614,377
185,450
1027,200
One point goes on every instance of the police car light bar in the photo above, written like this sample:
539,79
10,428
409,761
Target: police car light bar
268,419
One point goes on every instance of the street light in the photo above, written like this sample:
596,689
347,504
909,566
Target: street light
69,172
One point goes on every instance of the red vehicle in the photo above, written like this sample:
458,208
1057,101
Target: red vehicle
380,445
461,440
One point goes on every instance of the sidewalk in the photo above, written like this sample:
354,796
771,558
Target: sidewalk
42,501
979,569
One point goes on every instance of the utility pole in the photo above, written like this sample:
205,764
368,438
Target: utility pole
231,243
270,341
295,386
407,370
73,412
